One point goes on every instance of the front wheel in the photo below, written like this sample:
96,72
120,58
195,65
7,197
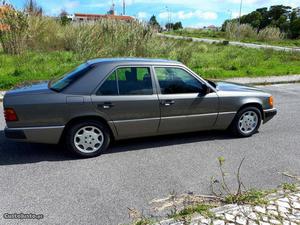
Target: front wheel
246,122
88,139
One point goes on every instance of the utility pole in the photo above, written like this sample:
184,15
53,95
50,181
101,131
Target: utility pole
240,15
112,10
169,17
124,8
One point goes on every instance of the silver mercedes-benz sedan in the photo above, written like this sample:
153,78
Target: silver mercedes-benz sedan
112,99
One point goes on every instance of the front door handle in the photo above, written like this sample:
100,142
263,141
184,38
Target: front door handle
168,102
106,105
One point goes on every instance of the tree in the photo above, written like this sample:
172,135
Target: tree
64,17
174,26
280,16
153,22
295,28
169,26
32,8
177,26
265,21
277,11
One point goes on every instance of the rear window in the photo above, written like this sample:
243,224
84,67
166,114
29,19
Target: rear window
62,82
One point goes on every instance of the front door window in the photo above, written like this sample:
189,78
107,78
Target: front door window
177,81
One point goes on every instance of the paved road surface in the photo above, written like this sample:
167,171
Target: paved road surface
235,43
44,179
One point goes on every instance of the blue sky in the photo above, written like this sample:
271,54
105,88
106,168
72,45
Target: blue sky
192,13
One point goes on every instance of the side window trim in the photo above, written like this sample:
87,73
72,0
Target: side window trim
115,70
175,67
117,80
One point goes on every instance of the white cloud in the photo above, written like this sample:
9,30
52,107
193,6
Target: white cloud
206,15
95,5
216,5
142,15
237,15
71,4
183,15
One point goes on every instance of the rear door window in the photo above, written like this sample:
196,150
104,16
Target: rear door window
110,86
128,81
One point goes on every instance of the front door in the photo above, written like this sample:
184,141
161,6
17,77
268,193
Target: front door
184,105
128,98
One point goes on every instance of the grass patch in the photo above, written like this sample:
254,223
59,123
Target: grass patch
47,49
34,66
252,196
202,209
209,61
289,187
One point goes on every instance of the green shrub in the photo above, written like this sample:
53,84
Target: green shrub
12,37
235,31
270,34
44,34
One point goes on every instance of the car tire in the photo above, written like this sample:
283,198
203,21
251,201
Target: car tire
246,122
88,139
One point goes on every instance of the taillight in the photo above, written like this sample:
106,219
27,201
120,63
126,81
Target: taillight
10,115
271,101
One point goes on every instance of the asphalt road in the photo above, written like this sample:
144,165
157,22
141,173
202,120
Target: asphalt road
43,179
234,43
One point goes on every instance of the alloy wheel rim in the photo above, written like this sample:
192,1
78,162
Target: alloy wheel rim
248,122
88,139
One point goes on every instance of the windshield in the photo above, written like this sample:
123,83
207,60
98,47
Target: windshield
61,83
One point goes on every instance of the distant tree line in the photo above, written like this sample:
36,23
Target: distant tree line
169,26
174,26
283,17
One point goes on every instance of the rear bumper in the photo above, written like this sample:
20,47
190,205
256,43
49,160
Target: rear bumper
46,135
269,114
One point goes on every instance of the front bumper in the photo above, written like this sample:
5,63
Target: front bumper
269,114
46,135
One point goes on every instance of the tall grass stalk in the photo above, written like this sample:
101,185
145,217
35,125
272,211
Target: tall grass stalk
234,31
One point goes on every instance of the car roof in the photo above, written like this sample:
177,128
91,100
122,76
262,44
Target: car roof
133,61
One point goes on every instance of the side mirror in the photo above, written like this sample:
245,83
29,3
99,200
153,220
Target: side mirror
205,90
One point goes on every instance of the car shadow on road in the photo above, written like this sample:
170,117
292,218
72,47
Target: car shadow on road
23,153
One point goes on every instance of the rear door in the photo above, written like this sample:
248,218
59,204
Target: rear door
183,103
129,99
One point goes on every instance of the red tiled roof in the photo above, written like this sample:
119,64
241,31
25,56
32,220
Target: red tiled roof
98,16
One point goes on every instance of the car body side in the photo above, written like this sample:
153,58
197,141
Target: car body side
44,115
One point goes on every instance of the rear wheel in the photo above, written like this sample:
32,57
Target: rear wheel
88,139
247,122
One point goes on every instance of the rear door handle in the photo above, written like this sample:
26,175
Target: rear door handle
106,105
168,102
